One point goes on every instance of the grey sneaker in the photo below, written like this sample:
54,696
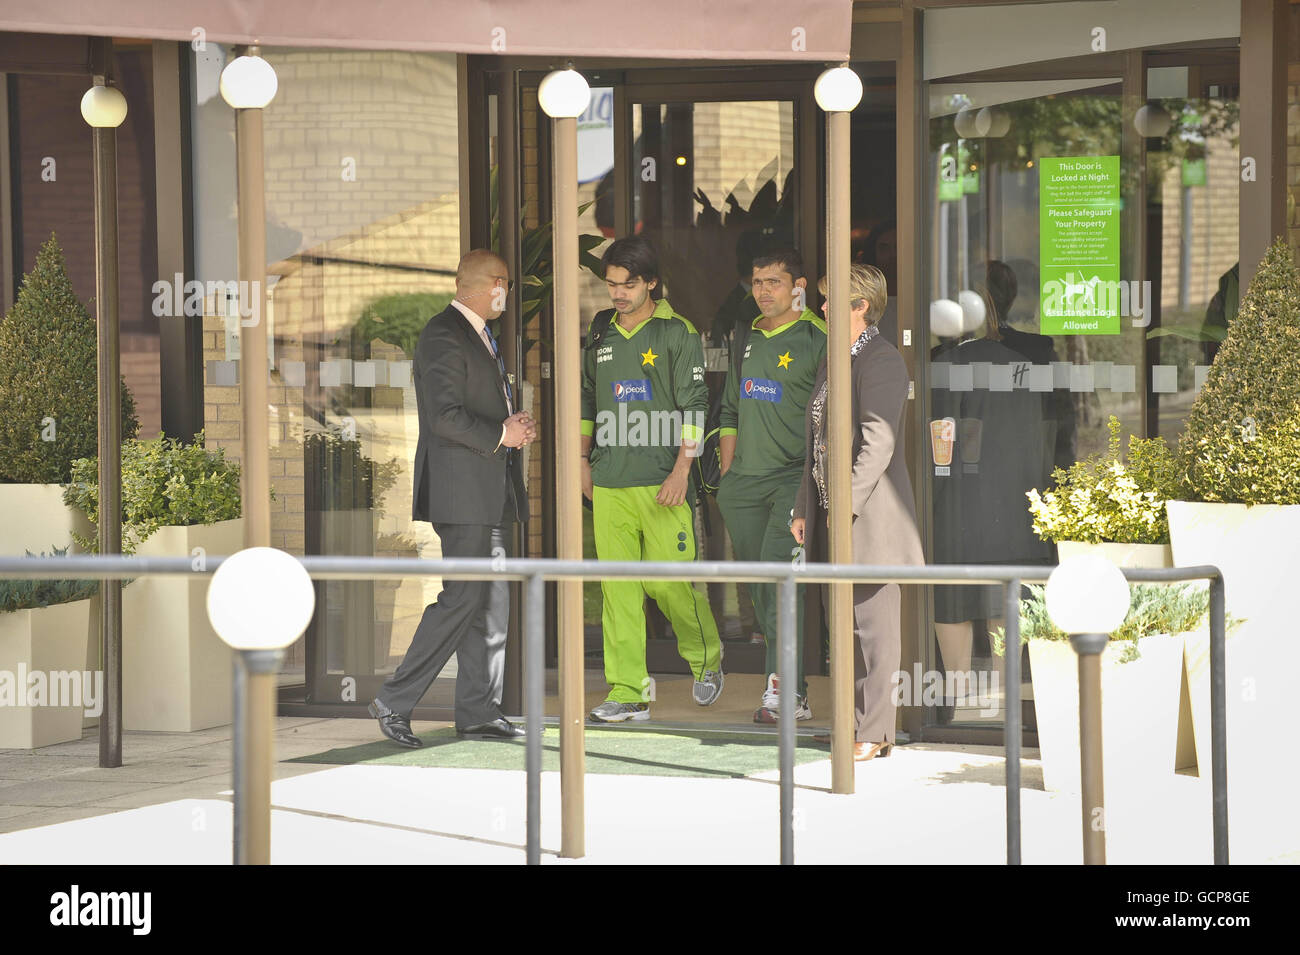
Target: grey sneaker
707,690
614,712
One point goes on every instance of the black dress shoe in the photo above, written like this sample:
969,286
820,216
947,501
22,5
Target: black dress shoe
496,729
394,725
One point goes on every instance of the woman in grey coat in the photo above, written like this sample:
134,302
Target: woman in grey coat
884,516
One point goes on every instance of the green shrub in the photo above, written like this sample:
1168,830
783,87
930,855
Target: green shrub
48,386
1153,609
350,479
1242,440
164,483
1104,499
398,319
31,594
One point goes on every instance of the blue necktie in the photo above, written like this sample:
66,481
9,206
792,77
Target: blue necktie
501,367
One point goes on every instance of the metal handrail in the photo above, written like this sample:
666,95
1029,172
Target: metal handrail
536,571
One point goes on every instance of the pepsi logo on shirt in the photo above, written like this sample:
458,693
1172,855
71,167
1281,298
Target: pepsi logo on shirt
761,389
633,389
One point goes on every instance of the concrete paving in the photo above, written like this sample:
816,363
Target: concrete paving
926,804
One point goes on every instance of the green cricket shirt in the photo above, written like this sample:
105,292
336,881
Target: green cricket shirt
642,393
764,406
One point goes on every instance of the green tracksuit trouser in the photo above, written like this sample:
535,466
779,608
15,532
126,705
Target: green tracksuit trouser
630,525
757,513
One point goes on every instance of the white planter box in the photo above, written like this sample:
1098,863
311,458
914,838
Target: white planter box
1139,714
1121,555
36,519
1258,550
176,671
48,639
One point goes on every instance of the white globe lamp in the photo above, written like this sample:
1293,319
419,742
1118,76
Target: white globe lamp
260,598
564,94
103,107
248,82
1087,594
838,90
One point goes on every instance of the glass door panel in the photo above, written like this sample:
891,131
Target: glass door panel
712,185
1073,269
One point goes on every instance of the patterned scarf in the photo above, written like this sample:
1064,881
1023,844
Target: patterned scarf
818,407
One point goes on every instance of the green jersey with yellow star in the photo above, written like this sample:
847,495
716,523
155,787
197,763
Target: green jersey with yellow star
643,393
764,405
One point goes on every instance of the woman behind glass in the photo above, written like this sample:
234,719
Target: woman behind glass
884,516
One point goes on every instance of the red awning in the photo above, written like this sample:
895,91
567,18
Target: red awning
799,30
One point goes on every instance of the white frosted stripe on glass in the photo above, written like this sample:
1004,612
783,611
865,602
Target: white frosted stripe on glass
1081,378
961,378
1101,374
223,373
399,374
999,378
294,373
1061,374
1123,378
1164,379
1041,378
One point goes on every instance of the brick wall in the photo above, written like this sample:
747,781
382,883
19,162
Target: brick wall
361,167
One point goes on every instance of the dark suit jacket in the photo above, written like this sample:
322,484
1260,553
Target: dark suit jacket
884,515
459,477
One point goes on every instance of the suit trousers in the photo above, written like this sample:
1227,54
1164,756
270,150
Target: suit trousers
469,618
878,626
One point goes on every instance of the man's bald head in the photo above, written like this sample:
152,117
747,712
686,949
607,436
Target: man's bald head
479,267
477,276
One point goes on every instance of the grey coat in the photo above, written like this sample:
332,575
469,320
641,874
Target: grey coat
884,515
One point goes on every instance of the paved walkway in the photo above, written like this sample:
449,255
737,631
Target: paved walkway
927,803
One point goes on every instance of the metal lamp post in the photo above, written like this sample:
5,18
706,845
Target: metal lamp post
564,95
104,108
248,84
838,90
1088,597
260,601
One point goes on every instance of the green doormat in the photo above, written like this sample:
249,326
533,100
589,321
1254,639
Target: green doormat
620,752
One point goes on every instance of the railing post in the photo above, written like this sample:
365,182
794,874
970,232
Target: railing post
788,673
1011,719
534,702
1218,719
1089,647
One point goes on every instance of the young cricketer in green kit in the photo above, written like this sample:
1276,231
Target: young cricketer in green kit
644,405
762,444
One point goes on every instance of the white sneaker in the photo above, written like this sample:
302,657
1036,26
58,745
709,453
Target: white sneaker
613,712
770,708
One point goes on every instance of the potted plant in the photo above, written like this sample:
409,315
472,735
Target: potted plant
44,625
1141,682
177,501
342,505
49,393
1111,505
1240,511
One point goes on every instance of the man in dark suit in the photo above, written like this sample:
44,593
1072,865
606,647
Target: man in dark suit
469,485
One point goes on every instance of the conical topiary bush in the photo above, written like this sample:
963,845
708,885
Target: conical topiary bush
49,408
1242,441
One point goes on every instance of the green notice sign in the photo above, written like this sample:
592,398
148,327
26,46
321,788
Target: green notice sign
1078,245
